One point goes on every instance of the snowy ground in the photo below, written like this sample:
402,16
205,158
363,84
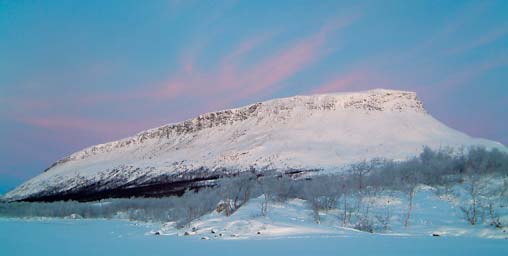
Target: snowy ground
288,229
103,237
431,215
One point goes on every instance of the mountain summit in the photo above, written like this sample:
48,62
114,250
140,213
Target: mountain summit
296,134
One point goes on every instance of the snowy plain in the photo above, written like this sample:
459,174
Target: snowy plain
287,229
107,237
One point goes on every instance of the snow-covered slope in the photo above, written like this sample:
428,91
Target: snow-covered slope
323,132
294,218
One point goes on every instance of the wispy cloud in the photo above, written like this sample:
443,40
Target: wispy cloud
212,88
349,81
483,40
230,82
88,125
454,81
436,43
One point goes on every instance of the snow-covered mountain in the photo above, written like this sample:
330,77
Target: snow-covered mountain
318,132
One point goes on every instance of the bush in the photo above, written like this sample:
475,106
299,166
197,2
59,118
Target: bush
345,190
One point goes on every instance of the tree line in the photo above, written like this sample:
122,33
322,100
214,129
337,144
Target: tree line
476,176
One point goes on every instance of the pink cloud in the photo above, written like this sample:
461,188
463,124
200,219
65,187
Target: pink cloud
290,61
247,46
342,82
283,65
213,88
230,82
356,79
270,72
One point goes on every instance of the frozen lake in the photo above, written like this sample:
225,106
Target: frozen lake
104,237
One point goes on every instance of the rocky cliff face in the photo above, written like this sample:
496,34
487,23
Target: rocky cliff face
296,134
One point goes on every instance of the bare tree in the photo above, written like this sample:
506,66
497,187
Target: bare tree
347,206
408,180
268,187
236,191
495,219
322,193
359,173
385,217
472,208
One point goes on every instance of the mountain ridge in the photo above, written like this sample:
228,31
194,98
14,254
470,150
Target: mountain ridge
317,132
241,113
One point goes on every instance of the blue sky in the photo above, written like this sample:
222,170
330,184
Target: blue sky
78,73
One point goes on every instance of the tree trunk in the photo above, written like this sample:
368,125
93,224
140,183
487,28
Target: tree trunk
410,206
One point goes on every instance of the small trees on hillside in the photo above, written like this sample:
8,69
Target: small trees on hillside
236,191
471,208
351,191
409,180
358,172
322,193
346,202
268,188
194,204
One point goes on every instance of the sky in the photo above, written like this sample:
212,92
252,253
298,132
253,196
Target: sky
78,73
